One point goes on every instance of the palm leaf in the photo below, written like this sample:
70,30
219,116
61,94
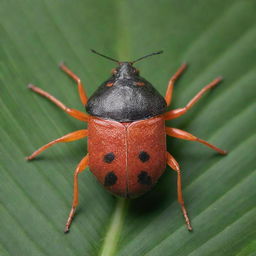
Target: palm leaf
216,38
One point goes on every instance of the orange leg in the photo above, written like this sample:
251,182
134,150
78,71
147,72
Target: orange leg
181,111
72,112
81,166
188,136
80,86
77,135
175,166
168,94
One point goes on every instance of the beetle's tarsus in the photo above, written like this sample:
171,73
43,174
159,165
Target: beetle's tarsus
30,158
66,230
30,86
61,64
225,152
219,79
70,218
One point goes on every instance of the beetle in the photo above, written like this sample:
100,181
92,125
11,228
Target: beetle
126,132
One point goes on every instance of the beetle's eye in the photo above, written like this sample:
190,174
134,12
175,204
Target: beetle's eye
113,71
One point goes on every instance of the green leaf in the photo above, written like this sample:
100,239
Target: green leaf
215,38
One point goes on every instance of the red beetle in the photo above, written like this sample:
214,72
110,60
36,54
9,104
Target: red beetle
126,132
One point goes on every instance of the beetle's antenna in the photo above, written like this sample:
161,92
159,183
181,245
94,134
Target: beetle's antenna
104,56
154,53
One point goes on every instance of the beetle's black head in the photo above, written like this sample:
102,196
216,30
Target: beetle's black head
125,70
126,96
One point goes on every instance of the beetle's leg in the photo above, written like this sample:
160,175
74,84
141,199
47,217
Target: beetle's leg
77,135
181,111
80,86
168,94
72,112
174,132
81,166
175,166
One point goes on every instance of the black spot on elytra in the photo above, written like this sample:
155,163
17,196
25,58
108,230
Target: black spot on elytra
144,178
110,179
144,156
109,157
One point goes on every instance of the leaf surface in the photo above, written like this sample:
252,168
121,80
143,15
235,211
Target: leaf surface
215,38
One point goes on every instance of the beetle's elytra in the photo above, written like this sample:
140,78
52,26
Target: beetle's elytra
126,132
